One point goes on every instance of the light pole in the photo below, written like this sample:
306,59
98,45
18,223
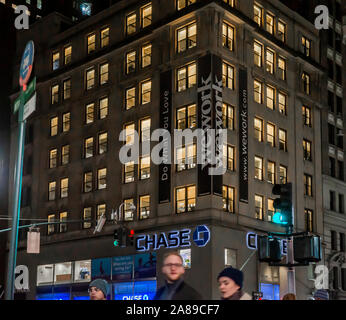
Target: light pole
117,215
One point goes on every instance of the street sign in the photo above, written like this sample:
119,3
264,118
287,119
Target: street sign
26,64
29,107
25,96
16,104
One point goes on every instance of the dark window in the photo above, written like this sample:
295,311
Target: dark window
331,101
343,279
341,170
332,200
338,74
332,166
330,69
339,105
331,134
342,242
341,203
335,278
333,240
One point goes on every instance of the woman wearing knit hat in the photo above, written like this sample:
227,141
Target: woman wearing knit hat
231,284
98,289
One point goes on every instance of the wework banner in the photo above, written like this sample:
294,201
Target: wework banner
209,106
165,123
243,137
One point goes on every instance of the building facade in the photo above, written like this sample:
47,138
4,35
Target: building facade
140,66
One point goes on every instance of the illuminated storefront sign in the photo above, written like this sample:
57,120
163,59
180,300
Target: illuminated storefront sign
173,239
136,290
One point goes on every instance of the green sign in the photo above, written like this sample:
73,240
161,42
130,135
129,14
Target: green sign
25,96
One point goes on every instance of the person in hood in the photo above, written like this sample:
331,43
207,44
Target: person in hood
175,287
231,284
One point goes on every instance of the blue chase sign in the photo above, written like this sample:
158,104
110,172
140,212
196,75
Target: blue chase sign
26,64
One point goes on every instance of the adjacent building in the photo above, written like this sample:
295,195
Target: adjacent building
140,66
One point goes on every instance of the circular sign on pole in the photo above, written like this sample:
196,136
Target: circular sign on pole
26,64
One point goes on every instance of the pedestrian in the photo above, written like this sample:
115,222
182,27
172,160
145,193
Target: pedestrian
98,289
231,284
289,296
175,287
321,294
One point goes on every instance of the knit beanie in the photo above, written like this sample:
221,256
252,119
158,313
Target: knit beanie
234,274
100,284
321,294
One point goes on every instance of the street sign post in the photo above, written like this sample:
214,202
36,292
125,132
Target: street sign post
25,105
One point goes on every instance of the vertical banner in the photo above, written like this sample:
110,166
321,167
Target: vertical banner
204,109
243,137
165,123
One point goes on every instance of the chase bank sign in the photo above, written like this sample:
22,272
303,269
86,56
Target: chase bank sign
173,239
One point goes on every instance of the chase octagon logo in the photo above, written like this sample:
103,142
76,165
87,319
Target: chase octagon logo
201,236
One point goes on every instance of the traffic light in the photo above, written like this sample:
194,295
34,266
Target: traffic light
269,249
118,237
130,237
283,205
307,249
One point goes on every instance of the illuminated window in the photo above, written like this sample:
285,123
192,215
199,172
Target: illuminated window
53,158
104,73
306,116
56,60
309,222
282,31
90,79
271,134
131,23
129,172
258,14
88,182
129,206
51,190
187,37
145,129
64,188
144,167
51,227
102,143
88,147
228,199
270,210
65,154
53,126
144,207
306,82
146,55
306,43
186,117
258,49
146,15
91,43
258,126
282,68
67,89
271,168
270,98
55,94
129,133
282,103
307,150
258,168
307,185
87,217
186,77
67,54
282,140
104,37
63,226
270,58
227,116
283,174
130,62
66,122
227,76
259,207
270,23
102,178
100,210
184,3
103,108
227,36
89,113
228,157
145,88
130,99
185,199
186,157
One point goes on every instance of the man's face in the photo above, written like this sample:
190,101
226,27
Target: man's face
227,287
96,294
173,268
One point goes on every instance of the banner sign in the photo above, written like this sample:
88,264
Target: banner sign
165,123
243,137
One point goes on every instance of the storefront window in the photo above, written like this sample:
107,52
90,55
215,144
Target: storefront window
82,271
186,255
45,274
270,291
230,258
63,272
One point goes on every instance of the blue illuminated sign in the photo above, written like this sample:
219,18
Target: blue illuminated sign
173,239
137,290
53,296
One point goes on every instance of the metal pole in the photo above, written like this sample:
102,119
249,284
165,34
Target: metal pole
16,209
291,276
